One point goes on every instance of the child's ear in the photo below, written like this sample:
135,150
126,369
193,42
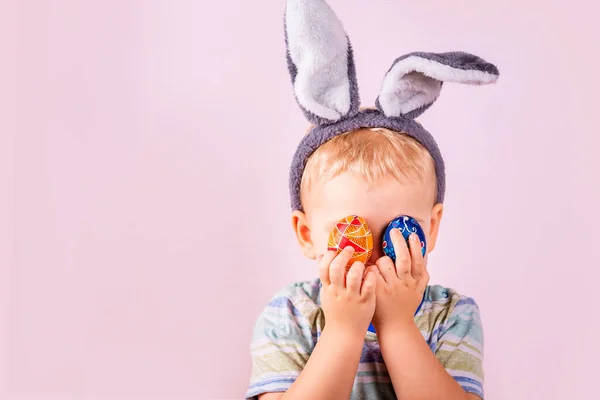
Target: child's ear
434,226
320,62
303,234
414,81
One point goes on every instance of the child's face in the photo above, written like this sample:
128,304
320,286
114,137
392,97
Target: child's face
348,194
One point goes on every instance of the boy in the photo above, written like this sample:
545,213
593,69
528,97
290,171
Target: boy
378,331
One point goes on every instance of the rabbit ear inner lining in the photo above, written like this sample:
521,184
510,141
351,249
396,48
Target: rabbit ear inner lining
324,91
415,82
405,93
320,52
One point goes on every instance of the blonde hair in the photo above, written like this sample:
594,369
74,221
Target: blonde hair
373,153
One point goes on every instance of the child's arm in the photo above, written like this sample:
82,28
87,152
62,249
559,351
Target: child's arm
415,371
330,370
281,350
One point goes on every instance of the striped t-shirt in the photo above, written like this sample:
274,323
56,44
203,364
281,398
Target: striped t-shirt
289,327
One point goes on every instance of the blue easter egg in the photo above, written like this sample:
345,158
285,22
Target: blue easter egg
406,225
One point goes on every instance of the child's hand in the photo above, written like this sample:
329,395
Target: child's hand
347,299
400,287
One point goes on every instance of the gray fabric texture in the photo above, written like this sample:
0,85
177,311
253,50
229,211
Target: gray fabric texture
364,119
457,60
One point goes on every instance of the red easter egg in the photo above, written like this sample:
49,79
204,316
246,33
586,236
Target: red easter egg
352,231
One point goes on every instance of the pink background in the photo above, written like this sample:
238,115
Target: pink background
134,135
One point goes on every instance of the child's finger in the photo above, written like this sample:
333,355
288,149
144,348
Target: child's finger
370,268
354,277
324,267
403,261
369,284
387,269
424,281
380,282
337,268
416,255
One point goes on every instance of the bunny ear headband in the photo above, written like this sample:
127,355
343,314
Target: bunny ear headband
321,65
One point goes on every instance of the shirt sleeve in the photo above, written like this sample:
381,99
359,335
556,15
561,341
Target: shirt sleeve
460,347
280,347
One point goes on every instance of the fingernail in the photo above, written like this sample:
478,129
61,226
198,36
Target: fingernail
413,237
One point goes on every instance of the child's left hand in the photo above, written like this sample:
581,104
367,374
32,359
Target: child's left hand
400,287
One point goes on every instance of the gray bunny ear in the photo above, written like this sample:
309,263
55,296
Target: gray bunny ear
320,62
415,80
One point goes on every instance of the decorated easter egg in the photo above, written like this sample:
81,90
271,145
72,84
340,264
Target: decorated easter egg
406,225
352,231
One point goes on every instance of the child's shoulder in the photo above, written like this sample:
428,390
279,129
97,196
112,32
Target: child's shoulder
300,292
293,312
297,300
448,296
446,302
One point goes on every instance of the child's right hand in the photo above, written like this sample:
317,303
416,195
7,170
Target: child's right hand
348,299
